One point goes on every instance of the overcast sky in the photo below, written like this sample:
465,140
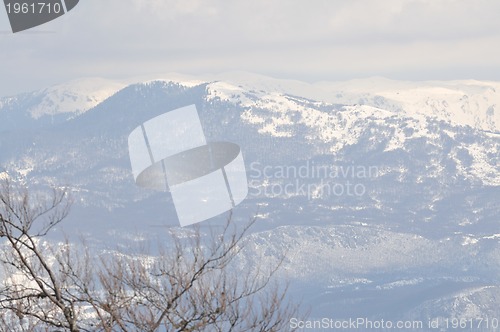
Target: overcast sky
310,40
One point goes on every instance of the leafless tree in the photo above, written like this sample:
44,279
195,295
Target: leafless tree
32,287
193,286
193,283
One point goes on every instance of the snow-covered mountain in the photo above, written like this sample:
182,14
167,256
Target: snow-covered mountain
378,192
472,103
57,103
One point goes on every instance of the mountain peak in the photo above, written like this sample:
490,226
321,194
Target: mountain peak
76,96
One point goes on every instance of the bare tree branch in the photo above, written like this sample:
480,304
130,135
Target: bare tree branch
189,283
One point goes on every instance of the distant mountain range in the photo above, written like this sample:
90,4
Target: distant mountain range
384,195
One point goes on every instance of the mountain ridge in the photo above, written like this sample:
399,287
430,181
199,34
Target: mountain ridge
434,192
429,98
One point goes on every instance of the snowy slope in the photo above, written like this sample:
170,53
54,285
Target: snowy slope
279,114
365,271
75,96
72,98
472,103
467,102
423,234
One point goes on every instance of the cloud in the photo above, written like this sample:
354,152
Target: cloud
315,39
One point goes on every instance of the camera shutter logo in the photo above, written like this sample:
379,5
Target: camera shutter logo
170,152
26,14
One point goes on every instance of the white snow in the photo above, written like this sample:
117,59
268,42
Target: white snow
465,102
75,97
408,106
492,237
469,240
